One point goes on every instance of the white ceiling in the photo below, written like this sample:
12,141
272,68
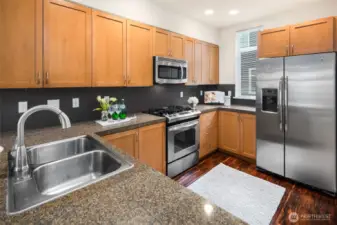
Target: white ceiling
249,9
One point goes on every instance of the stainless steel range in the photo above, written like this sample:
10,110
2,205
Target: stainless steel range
182,137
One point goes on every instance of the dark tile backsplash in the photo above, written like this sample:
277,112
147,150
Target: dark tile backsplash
137,100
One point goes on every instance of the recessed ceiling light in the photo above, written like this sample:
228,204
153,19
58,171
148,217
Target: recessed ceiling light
234,12
209,12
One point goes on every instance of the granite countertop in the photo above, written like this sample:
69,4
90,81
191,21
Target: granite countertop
235,108
140,195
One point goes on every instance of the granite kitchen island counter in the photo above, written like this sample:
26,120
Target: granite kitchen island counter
140,195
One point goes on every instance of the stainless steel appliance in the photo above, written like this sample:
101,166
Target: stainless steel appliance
182,147
170,71
296,118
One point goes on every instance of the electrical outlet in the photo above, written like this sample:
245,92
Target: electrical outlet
55,103
229,93
201,93
76,102
181,94
23,107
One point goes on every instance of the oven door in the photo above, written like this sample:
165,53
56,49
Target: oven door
182,139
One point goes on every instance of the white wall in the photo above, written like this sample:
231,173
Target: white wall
228,35
147,12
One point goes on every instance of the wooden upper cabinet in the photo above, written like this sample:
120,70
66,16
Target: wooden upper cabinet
274,42
126,141
67,44
248,135
214,65
189,56
312,37
177,46
206,64
21,44
336,33
229,131
139,54
152,146
109,50
198,62
162,40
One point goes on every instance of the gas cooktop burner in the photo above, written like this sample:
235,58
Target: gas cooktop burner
175,113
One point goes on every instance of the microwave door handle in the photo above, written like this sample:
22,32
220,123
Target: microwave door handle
181,72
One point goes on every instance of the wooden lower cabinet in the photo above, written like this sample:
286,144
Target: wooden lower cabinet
126,141
208,133
237,133
152,145
248,135
147,144
229,131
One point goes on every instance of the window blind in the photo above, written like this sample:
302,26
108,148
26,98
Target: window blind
246,62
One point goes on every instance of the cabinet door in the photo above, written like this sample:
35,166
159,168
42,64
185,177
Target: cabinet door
189,56
67,44
312,37
109,50
206,60
198,61
139,54
229,131
208,133
162,41
152,146
248,135
214,65
20,43
177,46
274,42
126,141
336,33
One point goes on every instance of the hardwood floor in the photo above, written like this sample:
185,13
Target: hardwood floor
297,198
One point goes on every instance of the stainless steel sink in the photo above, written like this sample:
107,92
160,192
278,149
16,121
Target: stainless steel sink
59,168
41,154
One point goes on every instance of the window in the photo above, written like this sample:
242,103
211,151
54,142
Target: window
246,59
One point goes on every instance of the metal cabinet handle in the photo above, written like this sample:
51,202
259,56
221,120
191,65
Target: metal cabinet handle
47,77
37,78
286,104
287,50
280,99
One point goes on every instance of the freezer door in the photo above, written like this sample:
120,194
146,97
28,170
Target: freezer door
310,150
269,128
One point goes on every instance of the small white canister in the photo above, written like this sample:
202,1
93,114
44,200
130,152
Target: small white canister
227,101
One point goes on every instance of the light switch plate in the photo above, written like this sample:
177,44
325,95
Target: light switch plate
55,103
76,102
181,94
23,107
201,93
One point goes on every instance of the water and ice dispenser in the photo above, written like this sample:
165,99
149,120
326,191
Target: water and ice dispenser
270,100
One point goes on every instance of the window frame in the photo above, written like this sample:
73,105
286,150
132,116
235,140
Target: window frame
238,62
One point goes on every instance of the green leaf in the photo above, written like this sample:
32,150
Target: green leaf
97,109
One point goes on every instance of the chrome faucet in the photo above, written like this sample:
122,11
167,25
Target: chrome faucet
21,168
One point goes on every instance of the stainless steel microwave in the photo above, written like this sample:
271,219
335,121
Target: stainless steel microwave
170,71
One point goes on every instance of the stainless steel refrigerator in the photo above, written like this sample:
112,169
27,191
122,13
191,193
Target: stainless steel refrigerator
296,118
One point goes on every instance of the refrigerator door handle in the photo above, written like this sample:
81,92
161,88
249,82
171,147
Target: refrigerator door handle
286,104
280,88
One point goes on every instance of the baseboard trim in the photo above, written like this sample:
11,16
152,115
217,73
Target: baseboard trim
253,161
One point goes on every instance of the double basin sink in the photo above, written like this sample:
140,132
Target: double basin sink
59,168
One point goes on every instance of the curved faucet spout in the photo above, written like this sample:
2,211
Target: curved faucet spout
21,164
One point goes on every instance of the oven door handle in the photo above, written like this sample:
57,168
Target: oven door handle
183,126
